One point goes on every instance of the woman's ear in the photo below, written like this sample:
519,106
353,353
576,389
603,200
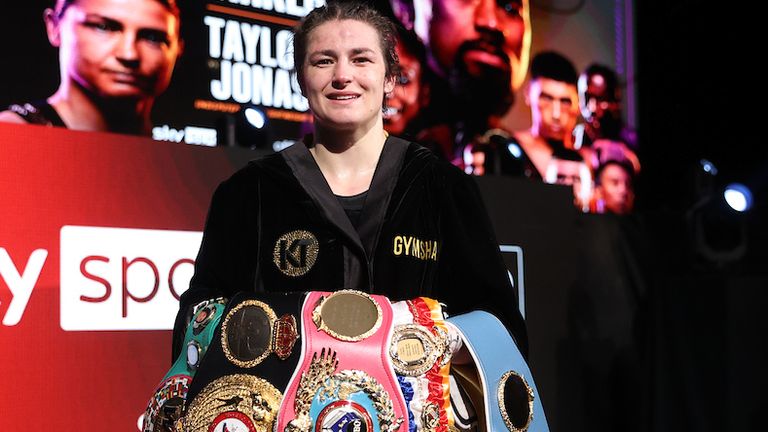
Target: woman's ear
52,27
389,84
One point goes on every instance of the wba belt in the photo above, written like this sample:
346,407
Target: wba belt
240,382
345,381
166,406
499,383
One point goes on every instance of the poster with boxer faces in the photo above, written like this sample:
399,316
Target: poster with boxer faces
518,88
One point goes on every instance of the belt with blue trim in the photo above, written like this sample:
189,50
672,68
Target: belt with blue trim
499,382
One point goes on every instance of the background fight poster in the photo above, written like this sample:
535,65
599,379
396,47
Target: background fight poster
237,56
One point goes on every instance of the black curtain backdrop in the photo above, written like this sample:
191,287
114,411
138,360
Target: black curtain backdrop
587,280
629,329
698,80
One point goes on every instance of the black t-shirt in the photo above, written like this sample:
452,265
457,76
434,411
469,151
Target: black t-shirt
353,207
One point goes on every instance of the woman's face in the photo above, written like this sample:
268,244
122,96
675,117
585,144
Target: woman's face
117,48
343,76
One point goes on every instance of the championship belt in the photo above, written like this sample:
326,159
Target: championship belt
345,381
240,383
499,382
166,406
421,350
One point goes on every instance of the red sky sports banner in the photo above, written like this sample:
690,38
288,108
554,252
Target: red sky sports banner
98,236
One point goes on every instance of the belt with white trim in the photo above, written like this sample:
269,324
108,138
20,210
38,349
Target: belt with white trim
421,350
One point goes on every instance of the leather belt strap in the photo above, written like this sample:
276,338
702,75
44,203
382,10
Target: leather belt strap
167,404
251,358
246,314
509,400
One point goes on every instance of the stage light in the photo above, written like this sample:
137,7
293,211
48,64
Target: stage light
255,117
249,128
716,219
515,150
708,167
738,197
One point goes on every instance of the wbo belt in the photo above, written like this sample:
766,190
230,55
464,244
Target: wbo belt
500,384
421,350
166,406
346,381
239,384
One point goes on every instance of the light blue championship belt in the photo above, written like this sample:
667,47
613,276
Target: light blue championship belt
167,404
500,384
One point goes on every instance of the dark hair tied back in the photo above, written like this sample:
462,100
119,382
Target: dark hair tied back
347,10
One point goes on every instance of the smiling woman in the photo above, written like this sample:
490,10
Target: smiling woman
375,213
343,79
115,58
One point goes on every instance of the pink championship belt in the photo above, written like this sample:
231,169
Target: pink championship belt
345,380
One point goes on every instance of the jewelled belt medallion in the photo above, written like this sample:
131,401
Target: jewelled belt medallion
347,315
243,401
414,349
347,400
251,331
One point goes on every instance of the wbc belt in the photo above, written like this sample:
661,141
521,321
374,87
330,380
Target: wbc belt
240,383
166,406
509,399
345,381
421,350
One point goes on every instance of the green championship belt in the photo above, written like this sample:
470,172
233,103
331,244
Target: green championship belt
167,404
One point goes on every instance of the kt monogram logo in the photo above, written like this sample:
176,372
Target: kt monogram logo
295,252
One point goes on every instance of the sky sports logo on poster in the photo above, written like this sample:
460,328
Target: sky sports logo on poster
123,279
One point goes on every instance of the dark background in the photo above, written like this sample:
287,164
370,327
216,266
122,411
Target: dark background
699,97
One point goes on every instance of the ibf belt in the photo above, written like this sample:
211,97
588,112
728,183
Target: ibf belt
166,406
421,350
346,381
252,356
509,399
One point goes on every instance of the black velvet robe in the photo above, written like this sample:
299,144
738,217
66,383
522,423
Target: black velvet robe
415,201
